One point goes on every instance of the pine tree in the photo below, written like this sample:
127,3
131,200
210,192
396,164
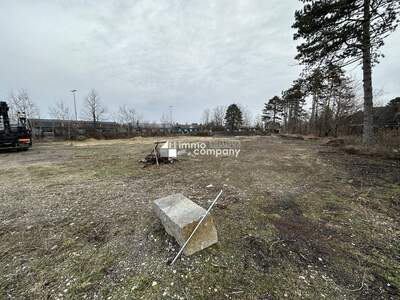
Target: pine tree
316,88
344,32
273,110
233,118
293,102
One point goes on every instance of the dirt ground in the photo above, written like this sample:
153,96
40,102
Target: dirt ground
296,220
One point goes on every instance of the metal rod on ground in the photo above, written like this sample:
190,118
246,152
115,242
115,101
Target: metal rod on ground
156,153
198,225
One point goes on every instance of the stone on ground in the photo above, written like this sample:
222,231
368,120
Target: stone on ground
179,215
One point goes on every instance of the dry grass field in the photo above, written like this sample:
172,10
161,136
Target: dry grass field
296,220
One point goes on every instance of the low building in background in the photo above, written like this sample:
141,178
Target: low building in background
187,128
385,117
70,129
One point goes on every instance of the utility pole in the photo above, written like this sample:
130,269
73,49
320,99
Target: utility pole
170,114
76,114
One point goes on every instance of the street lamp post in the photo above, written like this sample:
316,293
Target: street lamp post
76,115
170,115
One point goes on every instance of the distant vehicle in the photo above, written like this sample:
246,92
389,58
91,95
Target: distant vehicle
14,136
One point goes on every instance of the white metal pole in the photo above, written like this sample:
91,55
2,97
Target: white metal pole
198,225
76,114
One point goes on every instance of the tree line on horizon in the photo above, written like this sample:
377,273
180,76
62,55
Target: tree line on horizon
93,109
333,99
231,118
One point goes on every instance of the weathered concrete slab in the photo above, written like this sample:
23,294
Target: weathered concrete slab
179,215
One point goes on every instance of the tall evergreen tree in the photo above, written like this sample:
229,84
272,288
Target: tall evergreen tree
344,32
293,102
272,110
233,118
315,87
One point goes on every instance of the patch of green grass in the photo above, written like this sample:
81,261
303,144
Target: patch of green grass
322,206
91,270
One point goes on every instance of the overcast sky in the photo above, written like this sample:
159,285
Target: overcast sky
152,54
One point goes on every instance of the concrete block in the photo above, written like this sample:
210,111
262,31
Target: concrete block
179,215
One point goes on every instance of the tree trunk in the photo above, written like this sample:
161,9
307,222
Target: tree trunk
94,118
312,119
274,117
368,128
336,120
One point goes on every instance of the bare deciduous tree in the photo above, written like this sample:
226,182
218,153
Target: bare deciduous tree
60,111
206,117
246,116
21,103
344,104
164,120
128,116
94,108
258,122
218,116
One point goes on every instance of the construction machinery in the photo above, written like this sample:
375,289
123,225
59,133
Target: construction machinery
14,136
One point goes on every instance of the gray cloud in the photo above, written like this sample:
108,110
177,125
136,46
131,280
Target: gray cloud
152,53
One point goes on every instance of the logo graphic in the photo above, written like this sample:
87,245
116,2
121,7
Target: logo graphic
218,148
